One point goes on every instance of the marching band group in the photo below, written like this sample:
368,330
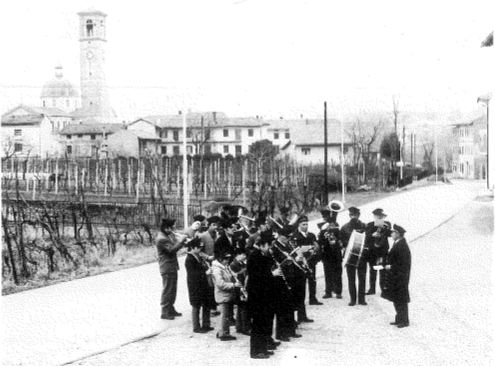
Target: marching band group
261,267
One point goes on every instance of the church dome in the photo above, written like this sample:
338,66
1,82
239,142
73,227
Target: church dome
58,87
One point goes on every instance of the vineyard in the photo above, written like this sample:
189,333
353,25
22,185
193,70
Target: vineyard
61,213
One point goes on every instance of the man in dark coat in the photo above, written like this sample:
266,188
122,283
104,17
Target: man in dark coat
377,234
226,242
345,234
198,287
397,273
305,239
331,257
260,284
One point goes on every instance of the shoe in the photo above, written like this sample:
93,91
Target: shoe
370,292
215,313
200,330
176,313
402,325
245,332
260,356
394,323
274,343
295,335
327,296
362,303
315,302
269,353
352,303
284,339
227,337
208,329
306,320
339,296
168,317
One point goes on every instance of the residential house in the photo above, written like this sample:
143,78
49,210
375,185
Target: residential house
87,140
135,143
304,141
207,132
32,131
469,149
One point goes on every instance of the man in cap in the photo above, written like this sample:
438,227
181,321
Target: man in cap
167,245
345,234
377,234
331,257
260,297
309,245
283,219
397,272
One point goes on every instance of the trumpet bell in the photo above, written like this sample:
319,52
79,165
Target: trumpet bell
336,206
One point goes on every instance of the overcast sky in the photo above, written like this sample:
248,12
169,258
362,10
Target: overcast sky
262,57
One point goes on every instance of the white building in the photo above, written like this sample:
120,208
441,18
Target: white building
32,131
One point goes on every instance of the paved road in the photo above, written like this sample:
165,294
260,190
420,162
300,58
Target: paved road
71,321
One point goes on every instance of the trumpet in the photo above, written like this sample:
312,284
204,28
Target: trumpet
276,222
247,218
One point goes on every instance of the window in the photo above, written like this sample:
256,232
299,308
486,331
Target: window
93,136
189,150
17,147
207,149
176,136
225,133
225,149
306,150
238,150
164,150
287,135
176,150
17,132
80,136
89,28
275,135
188,133
44,104
250,132
69,137
69,149
207,134
462,150
164,134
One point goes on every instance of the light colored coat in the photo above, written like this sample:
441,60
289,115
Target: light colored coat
224,282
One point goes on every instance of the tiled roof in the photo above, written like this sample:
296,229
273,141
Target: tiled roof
20,120
139,134
210,119
91,128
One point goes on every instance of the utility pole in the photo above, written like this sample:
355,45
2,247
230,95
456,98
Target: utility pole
185,192
325,161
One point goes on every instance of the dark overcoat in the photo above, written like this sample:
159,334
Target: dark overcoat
397,277
197,282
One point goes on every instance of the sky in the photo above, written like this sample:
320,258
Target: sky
269,58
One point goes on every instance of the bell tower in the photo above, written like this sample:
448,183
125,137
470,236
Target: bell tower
94,93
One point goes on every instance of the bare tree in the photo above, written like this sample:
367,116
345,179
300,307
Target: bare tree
395,101
363,136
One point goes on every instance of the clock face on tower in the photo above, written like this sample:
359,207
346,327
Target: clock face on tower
89,55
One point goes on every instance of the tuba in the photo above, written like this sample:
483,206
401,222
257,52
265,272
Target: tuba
335,207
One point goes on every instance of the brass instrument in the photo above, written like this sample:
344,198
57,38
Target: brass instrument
276,222
247,218
244,293
279,266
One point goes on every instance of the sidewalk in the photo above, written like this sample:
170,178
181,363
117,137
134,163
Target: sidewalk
62,323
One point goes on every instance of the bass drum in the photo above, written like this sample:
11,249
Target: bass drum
355,249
